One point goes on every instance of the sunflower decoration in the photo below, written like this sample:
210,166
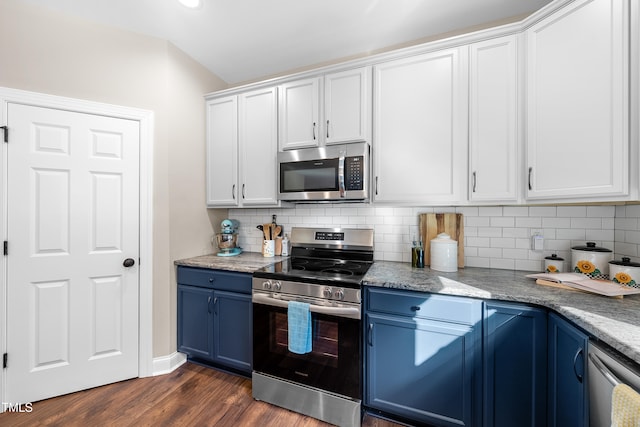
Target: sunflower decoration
586,267
624,279
552,268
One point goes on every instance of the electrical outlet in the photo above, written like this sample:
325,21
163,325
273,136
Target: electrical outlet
537,241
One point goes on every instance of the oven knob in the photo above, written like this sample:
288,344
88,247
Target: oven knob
327,292
266,285
339,294
277,286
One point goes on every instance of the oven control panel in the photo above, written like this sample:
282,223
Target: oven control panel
312,290
329,235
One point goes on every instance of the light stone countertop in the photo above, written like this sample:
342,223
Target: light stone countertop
614,321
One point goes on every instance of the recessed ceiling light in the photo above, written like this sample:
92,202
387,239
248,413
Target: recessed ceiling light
193,4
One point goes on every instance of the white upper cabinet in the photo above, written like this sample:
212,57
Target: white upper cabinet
242,145
347,101
299,114
258,143
577,103
222,152
420,128
493,120
332,109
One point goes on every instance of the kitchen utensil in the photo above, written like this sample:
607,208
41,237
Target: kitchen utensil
432,224
625,272
591,260
444,253
277,230
266,228
553,264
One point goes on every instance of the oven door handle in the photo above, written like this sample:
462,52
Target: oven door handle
349,312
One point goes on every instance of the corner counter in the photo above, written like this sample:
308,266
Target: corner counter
615,321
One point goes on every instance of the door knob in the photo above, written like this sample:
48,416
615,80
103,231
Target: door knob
128,262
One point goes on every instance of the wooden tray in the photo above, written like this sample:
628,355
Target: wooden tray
432,224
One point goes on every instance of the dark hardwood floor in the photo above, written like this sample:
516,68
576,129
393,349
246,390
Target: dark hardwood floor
192,395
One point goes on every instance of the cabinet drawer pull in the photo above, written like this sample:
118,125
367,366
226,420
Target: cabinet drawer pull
530,173
370,335
575,359
215,305
233,191
415,308
209,305
314,131
474,182
327,128
243,191
376,185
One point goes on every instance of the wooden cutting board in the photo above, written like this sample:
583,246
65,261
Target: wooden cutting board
432,224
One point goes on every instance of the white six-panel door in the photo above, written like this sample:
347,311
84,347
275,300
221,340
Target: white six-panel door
73,218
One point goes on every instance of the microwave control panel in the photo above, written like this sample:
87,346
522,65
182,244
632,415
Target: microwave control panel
354,173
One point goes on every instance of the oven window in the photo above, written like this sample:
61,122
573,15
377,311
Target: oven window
321,175
324,345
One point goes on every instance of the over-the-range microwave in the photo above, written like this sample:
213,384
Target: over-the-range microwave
331,173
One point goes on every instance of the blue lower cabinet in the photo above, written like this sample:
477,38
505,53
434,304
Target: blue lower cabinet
420,366
195,321
514,365
215,318
233,340
567,405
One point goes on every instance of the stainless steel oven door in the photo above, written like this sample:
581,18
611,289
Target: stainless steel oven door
334,364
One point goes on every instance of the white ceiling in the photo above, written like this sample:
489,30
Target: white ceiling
243,40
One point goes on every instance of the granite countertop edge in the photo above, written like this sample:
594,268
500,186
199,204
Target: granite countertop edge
614,321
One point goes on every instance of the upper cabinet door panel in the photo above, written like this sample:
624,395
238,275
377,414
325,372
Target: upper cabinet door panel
222,151
577,108
258,134
347,100
420,128
299,120
493,120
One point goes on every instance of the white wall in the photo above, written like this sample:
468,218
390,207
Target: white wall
52,53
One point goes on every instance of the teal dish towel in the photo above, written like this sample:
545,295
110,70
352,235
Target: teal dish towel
299,318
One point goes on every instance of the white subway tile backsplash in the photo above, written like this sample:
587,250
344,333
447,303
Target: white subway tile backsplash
572,211
594,223
495,236
546,211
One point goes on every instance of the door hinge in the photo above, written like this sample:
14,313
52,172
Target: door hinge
6,133
4,360
6,248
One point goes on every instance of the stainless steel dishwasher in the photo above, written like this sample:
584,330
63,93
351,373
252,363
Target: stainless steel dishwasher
607,369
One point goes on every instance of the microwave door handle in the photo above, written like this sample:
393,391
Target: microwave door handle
341,188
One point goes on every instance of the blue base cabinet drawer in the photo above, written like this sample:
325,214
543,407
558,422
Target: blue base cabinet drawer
215,315
420,369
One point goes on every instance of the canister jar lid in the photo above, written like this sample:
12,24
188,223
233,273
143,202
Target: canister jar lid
554,257
626,261
591,246
443,238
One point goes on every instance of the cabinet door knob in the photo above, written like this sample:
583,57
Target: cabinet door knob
415,308
129,262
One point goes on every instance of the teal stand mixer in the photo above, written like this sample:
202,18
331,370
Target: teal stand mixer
227,239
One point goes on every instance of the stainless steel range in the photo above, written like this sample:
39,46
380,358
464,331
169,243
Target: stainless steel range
324,273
